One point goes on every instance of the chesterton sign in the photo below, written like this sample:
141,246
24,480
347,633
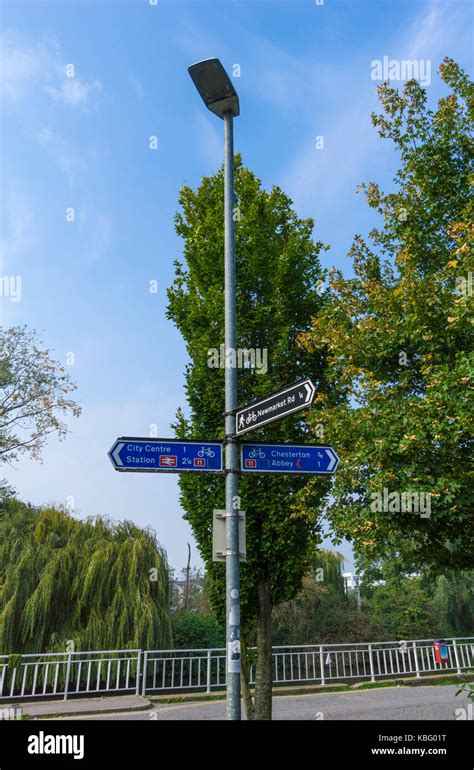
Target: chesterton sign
286,458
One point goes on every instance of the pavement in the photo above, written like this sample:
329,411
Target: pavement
399,703
79,707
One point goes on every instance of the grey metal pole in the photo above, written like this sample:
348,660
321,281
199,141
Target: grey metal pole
232,459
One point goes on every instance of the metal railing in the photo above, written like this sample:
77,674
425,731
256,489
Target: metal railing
69,673
153,671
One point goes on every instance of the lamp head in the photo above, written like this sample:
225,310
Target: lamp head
215,87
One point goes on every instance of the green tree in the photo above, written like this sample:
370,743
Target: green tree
453,599
279,281
198,631
395,605
321,612
33,396
403,609
189,592
399,339
97,583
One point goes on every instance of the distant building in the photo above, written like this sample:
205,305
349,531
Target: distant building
351,581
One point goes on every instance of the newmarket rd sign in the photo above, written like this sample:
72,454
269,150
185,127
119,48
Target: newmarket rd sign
274,407
286,458
165,455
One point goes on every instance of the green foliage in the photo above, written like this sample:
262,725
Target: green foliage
189,592
394,606
404,610
88,582
278,292
468,688
399,340
327,566
453,599
321,615
195,630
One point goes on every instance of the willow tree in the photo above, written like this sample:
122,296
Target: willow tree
279,279
93,584
317,607
399,337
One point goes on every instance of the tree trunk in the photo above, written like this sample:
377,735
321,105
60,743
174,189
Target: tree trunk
186,588
245,679
263,678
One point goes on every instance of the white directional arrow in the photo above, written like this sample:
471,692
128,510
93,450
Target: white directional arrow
310,389
333,459
275,406
116,453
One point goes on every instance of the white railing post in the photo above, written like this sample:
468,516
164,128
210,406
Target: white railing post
145,660
139,658
208,677
415,654
68,669
456,656
371,662
321,663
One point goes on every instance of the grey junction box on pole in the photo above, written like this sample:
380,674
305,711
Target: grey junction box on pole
219,536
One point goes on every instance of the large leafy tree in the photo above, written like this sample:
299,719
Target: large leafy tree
313,615
279,280
399,339
454,600
97,584
34,395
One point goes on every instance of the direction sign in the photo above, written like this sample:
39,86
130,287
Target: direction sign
274,407
287,458
165,455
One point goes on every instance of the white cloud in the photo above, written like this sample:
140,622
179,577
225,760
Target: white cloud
73,92
18,69
27,69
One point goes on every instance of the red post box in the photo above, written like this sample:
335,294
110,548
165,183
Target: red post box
441,651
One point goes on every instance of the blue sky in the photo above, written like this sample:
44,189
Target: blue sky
82,142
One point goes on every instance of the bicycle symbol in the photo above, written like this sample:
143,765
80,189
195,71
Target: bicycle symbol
206,451
257,452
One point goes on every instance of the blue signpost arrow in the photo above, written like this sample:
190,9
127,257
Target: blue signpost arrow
286,458
166,455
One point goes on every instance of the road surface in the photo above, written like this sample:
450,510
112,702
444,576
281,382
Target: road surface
385,703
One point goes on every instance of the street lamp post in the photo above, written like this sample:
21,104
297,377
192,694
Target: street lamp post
219,96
